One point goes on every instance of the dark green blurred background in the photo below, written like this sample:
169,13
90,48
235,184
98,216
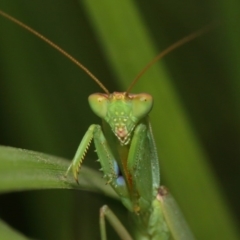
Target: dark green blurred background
43,99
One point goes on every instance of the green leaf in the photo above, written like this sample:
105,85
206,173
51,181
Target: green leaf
27,170
8,233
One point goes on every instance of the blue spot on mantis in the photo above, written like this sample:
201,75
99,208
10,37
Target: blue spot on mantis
127,154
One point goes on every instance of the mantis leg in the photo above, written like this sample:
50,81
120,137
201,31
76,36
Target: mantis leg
105,211
143,166
106,158
81,151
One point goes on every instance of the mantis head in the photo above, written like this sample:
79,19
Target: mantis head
122,111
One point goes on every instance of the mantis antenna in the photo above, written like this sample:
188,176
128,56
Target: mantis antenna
75,61
170,49
21,24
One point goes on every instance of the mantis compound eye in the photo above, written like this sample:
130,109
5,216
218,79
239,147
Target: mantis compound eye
99,104
142,104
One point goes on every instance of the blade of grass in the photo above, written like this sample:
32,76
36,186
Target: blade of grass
8,233
27,170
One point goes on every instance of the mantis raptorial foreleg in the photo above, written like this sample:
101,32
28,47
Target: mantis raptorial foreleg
81,151
104,152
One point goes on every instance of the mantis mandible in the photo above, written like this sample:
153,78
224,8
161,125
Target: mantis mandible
128,157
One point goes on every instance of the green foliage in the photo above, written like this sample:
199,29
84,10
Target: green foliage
7,233
195,117
27,170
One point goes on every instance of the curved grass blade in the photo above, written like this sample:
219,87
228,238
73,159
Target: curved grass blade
28,170
8,233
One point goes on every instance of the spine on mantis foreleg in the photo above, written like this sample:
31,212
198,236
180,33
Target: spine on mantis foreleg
81,152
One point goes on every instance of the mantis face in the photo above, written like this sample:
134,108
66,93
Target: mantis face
122,111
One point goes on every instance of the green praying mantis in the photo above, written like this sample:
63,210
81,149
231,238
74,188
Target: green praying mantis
128,157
